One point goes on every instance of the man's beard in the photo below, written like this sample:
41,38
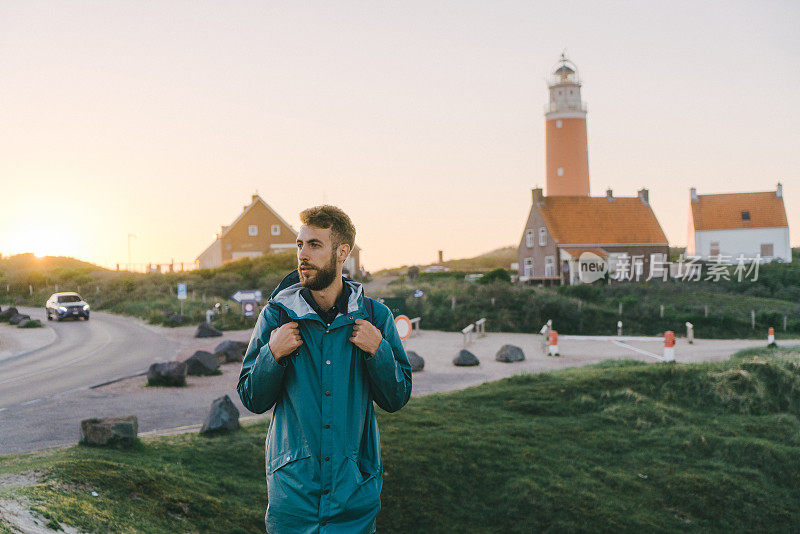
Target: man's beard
322,277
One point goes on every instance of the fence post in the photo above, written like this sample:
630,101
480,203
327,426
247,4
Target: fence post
620,309
452,304
661,313
580,304
753,319
30,289
689,332
619,328
784,322
706,310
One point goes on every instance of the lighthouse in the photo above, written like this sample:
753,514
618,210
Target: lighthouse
567,150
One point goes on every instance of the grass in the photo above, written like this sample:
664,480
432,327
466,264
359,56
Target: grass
622,446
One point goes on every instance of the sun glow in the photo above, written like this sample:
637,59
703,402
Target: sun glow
43,241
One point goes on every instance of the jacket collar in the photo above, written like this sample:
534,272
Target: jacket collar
296,306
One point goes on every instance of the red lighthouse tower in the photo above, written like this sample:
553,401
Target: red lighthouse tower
565,119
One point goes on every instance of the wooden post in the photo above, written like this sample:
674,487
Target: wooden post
706,311
784,322
452,303
753,319
661,313
56,288
580,304
620,309
30,289
492,301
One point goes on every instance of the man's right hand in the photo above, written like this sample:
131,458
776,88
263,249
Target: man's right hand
284,340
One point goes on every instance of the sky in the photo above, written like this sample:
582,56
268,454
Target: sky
423,120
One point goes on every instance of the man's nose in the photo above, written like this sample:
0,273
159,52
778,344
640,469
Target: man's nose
302,253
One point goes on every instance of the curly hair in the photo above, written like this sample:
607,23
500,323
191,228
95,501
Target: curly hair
342,229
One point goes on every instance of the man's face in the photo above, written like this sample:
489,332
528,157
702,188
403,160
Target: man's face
316,258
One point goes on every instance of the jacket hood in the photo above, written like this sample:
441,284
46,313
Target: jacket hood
293,302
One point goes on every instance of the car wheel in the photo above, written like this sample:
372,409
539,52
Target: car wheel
47,313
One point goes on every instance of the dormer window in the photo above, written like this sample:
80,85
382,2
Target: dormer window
745,215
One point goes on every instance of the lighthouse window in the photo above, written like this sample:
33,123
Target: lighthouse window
560,171
558,123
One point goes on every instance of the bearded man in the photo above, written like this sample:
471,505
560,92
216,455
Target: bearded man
320,354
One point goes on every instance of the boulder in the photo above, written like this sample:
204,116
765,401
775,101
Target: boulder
167,374
110,431
206,330
416,361
19,318
8,313
223,417
202,363
230,351
509,353
30,323
465,358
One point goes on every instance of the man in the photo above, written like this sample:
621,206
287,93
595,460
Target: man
320,358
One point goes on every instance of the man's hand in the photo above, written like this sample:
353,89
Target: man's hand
366,337
284,340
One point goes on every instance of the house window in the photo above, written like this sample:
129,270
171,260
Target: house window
529,237
560,171
558,123
275,229
542,236
549,266
766,250
528,267
713,249
745,215
252,230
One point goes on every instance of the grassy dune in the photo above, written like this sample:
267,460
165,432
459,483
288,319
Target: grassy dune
618,447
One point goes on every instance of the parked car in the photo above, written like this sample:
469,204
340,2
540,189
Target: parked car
66,305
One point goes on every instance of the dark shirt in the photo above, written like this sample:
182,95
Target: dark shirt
340,306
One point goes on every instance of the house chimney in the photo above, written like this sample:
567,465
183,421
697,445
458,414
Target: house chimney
693,192
254,198
609,195
779,191
644,196
538,197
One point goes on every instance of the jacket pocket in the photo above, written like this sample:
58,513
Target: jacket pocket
367,470
287,457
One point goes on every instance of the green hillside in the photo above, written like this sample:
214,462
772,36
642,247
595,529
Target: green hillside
622,446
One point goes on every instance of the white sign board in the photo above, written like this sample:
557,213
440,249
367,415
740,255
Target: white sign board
243,295
181,291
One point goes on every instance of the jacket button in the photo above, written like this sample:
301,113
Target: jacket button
327,426
351,317
327,458
326,492
327,393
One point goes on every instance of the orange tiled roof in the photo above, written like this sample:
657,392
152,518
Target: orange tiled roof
596,220
576,252
724,211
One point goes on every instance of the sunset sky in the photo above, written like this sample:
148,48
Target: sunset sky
422,120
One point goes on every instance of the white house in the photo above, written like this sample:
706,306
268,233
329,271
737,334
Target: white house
734,224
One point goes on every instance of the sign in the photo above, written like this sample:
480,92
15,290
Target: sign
249,308
404,326
181,291
247,294
418,294
396,305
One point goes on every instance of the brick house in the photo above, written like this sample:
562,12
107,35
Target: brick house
561,228
258,230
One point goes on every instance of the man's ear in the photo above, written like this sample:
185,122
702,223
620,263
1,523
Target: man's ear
343,252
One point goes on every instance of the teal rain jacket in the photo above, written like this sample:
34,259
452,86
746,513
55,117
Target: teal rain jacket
323,453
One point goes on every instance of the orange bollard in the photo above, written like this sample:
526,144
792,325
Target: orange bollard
669,346
771,337
553,343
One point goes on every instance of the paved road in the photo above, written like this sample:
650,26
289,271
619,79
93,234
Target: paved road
82,353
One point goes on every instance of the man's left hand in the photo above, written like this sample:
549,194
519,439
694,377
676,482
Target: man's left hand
366,337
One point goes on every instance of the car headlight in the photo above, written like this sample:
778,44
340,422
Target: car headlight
62,308
86,307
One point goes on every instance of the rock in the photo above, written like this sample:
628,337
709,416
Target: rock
19,318
465,358
509,353
30,323
416,361
110,431
230,351
8,313
167,374
223,417
202,363
206,330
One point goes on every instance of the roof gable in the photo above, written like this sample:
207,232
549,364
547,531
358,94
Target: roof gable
724,211
598,220
257,199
